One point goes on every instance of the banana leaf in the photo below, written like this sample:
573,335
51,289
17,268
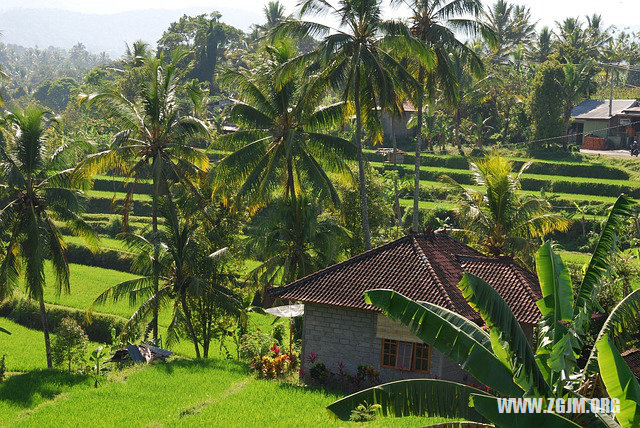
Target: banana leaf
599,262
621,326
413,397
2,330
488,407
507,338
620,383
451,340
555,283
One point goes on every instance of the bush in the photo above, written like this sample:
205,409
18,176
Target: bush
365,412
254,344
319,373
27,314
278,334
114,227
69,344
272,366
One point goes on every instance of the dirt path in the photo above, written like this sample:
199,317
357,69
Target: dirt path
610,153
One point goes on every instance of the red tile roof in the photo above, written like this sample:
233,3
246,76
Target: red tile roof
632,358
425,267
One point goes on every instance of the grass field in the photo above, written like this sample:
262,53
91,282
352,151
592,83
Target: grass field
178,393
24,347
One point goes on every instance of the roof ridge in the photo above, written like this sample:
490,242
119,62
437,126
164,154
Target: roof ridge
516,270
429,267
349,261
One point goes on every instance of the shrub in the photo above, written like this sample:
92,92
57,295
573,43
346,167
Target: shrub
319,373
254,344
278,334
27,314
365,412
114,227
69,344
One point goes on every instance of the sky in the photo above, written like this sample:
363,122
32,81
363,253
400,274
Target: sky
622,13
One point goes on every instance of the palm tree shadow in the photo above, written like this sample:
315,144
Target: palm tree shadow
25,389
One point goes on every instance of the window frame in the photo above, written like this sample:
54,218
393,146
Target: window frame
414,349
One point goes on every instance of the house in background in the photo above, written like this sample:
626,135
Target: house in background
596,129
398,126
344,331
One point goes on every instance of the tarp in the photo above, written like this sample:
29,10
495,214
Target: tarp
287,311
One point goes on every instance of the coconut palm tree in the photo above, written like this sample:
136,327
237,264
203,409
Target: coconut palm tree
502,358
136,54
282,139
435,23
154,142
274,14
294,240
512,25
576,86
498,218
176,256
354,60
37,192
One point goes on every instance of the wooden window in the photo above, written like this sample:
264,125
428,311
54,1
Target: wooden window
405,355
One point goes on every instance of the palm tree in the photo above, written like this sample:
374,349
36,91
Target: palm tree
154,140
502,358
576,85
39,192
435,22
294,239
274,13
543,47
353,59
512,26
136,54
281,140
467,85
498,218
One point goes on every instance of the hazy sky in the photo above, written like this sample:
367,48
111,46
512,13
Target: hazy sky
622,13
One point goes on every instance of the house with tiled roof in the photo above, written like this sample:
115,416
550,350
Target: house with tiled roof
343,331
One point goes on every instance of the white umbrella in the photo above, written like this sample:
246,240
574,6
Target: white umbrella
287,311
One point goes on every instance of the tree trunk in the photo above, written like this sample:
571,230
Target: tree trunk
416,180
187,319
456,132
45,330
567,124
396,198
361,166
156,270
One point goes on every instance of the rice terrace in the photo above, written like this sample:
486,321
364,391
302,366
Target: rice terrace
385,213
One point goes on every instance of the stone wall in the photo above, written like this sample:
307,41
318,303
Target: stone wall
353,337
348,336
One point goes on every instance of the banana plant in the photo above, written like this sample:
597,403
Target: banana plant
501,358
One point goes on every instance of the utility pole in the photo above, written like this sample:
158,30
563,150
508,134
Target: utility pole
610,90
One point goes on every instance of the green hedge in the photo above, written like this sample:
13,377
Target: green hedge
566,169
97,205
107,185
27,313
586,170
108,259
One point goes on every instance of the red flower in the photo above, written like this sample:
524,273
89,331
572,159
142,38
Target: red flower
275,349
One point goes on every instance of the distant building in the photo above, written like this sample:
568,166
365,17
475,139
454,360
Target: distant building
398,126
595,128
